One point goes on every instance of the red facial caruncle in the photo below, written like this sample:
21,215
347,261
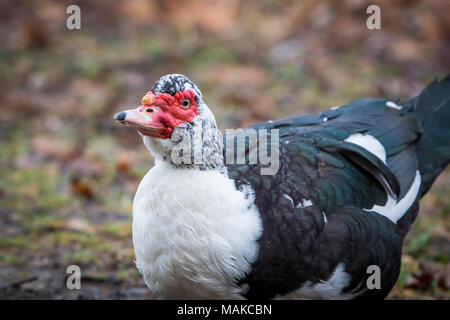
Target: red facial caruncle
160,113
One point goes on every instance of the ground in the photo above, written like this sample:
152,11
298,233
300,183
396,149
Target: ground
68,173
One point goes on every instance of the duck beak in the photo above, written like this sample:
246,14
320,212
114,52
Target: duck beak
146,118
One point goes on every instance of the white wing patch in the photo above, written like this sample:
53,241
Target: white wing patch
329,289
393,105
394,210
369,143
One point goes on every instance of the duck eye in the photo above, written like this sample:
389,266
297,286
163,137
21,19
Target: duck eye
186,103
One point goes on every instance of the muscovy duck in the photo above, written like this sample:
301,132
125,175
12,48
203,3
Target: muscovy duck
341,198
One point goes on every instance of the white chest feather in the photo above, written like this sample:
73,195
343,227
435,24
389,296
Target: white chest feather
194,234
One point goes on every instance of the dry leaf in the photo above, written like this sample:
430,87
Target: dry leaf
81,188
74,224
123,163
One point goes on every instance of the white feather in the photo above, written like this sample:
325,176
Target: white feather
393,209
289,198
393,105
194,234
329,289
304,203
325,220
369,143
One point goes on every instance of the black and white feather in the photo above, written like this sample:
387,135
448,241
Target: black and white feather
346,192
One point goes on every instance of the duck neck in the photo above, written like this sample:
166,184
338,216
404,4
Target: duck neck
195,145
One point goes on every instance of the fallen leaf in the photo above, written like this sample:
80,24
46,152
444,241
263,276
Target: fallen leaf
74,224
81,188
123,163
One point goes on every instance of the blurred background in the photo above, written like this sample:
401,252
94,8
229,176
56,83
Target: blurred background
68,173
